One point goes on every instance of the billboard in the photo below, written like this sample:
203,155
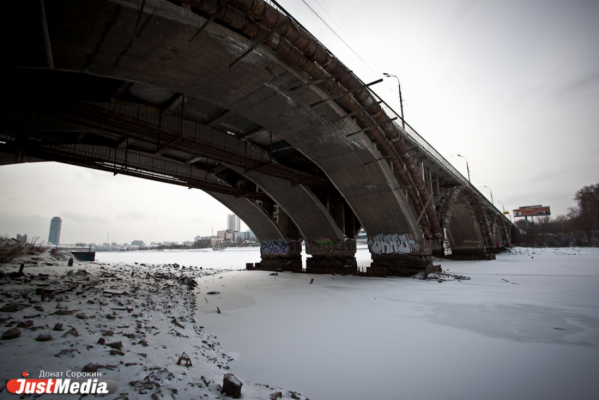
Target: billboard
532,211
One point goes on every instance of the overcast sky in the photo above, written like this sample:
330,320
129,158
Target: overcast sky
511,85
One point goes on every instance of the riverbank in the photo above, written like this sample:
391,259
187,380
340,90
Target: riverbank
130,322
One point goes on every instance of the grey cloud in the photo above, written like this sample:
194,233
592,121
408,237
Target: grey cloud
131,215
78,217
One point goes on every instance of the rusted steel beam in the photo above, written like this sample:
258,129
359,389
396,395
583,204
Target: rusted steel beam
372,127
356,112
163,148
206,23
141,10
259,42
382,158
319,81
345,94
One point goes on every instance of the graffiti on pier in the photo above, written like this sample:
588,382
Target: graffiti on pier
389,244
274,247
326,245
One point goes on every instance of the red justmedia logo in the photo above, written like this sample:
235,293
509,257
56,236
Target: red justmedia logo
61,386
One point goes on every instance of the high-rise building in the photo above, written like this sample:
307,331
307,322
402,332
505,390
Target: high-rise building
233,223
55,225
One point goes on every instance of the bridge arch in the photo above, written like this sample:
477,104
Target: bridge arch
475,238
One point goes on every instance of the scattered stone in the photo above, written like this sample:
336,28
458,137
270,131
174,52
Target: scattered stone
174,321
110,316
143,342
214,292
274,274
37,328
43,337
91,367
25,324
11,308
12,333
102,341
57,327
71,331
70,264
39,308
276,395
115,345
107,333
232,386
63,312
67,352
116,353
82,316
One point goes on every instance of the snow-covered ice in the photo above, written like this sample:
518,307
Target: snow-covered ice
525,326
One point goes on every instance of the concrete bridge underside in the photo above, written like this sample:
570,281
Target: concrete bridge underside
148,93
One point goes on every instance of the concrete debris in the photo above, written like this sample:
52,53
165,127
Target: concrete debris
10,334
232,386
44,337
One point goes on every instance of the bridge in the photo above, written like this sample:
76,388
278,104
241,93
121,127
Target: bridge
236,98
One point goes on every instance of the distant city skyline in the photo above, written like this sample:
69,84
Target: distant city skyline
95,205
233,223
55,227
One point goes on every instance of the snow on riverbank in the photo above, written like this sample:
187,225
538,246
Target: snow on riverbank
525,326
131,321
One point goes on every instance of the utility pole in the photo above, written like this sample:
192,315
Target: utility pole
467,166
491,194
403,121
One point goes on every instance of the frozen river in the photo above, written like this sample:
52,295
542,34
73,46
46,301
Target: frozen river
526,326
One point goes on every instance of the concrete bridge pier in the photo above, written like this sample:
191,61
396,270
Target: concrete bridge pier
280,255
400,265
329,256
398,255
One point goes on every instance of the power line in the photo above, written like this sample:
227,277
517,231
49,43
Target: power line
340,38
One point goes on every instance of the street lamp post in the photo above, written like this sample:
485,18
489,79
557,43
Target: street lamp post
467,166
491,194
403,122
502,205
